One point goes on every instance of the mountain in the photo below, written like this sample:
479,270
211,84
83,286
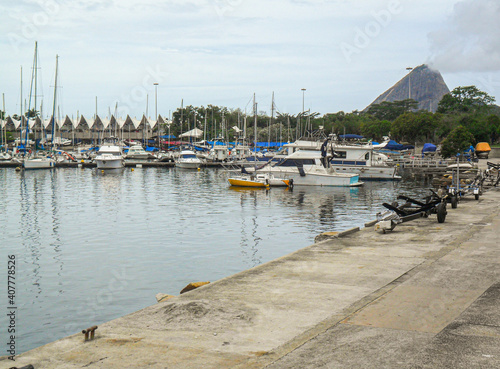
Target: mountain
422,84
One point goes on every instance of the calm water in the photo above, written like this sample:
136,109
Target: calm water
92,247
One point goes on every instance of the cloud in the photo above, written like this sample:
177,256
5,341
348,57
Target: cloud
470,40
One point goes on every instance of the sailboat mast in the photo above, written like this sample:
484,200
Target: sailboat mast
255,132
21,110
205,127
54,103
4,129
35,66
33,77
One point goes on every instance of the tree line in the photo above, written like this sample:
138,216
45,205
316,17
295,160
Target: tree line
465,112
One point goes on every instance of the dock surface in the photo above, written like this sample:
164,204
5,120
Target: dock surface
426,295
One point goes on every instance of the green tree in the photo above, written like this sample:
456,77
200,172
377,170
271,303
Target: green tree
464,99
459,140
391,110
493,124
375,129
415,127
32,113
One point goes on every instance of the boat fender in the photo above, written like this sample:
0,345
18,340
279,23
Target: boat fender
290,183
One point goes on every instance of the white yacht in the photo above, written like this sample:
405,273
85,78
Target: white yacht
310,168
362,159
188,160
109,156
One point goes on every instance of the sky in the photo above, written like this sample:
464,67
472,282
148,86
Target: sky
220,52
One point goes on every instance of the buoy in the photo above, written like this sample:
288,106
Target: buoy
102,171
83,161
132,169
199,169
18,169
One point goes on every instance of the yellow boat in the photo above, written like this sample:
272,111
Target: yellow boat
483,150
259,180
248,181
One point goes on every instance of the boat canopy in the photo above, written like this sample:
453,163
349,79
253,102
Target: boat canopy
196,133
483,146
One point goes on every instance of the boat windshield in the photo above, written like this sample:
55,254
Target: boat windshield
189,156
295,162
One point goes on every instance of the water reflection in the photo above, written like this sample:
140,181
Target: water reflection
29,226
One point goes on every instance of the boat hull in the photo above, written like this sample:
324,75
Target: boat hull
109,163
246,182
139,156
318,179
187,165
482,154
275,182
39,163
370,172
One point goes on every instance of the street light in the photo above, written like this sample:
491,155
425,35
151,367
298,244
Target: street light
303,93
409,69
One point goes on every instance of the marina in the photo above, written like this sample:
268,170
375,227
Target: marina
424,294
75,229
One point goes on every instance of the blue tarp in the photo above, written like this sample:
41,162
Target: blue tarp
428,147
270,144
167,136
150,148
350,136
393,145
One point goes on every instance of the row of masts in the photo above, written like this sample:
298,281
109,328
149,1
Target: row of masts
116,125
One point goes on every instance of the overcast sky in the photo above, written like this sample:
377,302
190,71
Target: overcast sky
344,53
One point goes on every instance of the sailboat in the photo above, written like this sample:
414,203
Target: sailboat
36,161
257,180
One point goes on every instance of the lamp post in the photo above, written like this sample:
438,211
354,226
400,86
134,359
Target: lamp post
303,93
156,115
409,69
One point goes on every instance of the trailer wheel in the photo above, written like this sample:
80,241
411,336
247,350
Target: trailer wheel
454,202
441,212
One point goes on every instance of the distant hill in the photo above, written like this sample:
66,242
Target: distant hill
423,84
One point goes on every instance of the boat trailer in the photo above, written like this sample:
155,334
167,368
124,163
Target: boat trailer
492,174
410,210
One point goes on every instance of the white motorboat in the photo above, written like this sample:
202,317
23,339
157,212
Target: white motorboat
187,159
39,162
5,156
310,168
362,159
138,152
109,156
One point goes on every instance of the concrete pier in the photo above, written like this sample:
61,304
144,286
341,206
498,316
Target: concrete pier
426,295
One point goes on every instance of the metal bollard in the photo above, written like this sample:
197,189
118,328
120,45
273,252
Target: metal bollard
89,333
